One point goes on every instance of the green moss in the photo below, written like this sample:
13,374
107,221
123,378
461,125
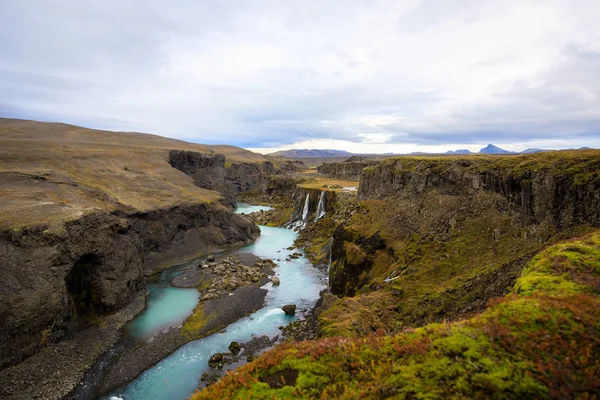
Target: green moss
193,325
564,268
354,254
531,344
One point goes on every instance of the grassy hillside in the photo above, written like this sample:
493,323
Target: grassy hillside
52,172
540,341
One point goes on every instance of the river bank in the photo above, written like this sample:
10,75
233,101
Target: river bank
178,375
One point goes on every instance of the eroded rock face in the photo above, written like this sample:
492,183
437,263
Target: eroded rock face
349,170
58,281
554,194
207,170
48,275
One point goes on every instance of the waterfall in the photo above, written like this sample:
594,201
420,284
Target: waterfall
321,208
305,210
297,224
330,253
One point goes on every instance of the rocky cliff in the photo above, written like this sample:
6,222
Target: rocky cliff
444,235
206,169
85,216
349,170
212,171
561,187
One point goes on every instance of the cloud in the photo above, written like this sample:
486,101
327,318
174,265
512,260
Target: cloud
410,74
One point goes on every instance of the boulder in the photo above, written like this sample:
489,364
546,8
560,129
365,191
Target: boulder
234,347
275,281
216,360
289,309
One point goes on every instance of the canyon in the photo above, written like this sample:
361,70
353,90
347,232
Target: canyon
436,271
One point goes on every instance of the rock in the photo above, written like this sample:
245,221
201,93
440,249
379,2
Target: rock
216,360
397,292
275,281
210,258
234,347
289,309
209,296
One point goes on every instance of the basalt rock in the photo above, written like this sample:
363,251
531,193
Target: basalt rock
560,188
289,309
59,281
349,170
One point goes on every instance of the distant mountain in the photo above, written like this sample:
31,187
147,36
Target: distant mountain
530,151
459,151
491,149
314,153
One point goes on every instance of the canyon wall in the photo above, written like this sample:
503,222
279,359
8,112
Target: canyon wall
56,281
408,206
349,170
212,171
562,191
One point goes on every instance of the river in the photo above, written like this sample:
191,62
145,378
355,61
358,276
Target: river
177,376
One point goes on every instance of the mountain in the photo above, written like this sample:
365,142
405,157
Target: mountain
491,149
532,150
316,153
459,151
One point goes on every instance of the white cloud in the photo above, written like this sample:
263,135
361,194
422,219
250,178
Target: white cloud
405,74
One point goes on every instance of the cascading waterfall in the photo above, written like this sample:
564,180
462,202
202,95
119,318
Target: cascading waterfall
305,210
321,207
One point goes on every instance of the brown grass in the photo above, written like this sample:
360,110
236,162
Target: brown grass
51,172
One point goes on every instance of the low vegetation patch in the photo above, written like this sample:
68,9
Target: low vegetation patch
540,341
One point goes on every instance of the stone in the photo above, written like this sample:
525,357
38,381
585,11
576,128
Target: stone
216,360
209,296
234,348
210,258
397,292
289,309
275,281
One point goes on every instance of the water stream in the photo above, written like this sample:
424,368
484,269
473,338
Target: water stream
243,208
177,376
321,207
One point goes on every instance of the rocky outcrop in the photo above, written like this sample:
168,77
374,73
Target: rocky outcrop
60,280
351,259
263,177
280,184
211,171
173,236
349,170
563,191
207,170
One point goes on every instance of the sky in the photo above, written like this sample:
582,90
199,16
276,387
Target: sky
366,76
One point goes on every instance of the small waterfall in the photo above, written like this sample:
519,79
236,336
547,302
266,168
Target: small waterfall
330,253
301,223
321,208
305,210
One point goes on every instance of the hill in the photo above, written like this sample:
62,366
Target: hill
52,172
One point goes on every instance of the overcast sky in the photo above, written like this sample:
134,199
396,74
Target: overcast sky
358,75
